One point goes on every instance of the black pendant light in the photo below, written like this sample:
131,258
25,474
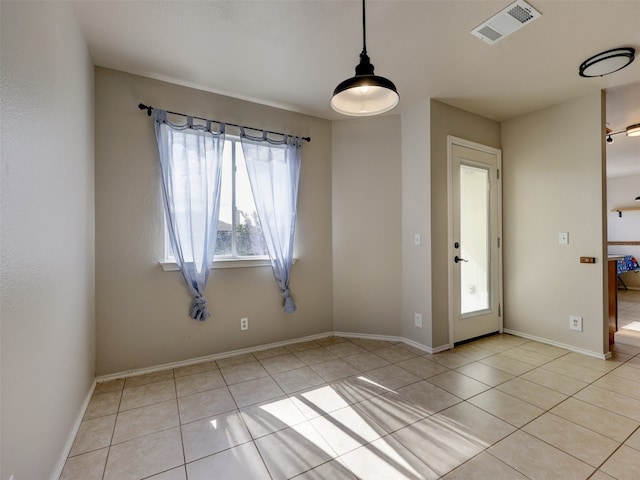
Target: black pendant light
365,94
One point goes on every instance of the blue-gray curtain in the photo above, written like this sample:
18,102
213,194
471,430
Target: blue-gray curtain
191,167
274,171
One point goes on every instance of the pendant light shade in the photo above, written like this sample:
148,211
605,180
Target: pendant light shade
365,94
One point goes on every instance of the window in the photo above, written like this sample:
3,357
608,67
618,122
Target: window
239,232
194,162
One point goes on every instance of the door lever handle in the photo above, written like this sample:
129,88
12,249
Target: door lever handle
457,259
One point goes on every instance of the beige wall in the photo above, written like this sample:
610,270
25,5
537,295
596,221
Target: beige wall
47,235
621,192
447,120
553,181
142,311
416,219
367,225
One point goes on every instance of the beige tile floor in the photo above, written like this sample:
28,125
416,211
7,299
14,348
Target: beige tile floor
502,407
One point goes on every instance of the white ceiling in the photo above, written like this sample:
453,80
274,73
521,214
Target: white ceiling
292,53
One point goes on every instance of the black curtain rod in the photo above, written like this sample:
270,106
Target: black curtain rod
149,109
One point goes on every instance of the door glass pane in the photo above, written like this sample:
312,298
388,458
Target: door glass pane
474,239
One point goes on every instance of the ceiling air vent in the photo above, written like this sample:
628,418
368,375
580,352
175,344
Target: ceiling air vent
505,22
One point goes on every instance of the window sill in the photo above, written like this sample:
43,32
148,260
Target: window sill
170,266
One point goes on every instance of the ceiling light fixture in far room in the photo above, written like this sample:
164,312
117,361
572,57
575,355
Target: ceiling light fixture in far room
365,94
630,131
633,130
607,62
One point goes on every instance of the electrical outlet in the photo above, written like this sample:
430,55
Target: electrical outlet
418,320
244,323
575,323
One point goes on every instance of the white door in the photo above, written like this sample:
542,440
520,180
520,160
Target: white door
475,254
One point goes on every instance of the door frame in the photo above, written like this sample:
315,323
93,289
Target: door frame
451,141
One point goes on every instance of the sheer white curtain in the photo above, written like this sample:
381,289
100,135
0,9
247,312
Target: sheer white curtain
274,171
191,167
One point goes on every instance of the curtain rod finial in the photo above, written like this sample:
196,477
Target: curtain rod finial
149,109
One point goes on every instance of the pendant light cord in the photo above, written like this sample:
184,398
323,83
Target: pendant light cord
365,93
364,29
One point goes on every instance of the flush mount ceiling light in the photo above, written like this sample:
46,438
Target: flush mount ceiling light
630,131
633,130
365,94
607,62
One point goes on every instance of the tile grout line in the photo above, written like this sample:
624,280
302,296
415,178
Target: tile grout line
616,449
462,400
521,428
517,428
620,444
253,443
184,455
420,379
113,431
572,396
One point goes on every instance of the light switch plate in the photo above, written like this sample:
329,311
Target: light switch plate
563,238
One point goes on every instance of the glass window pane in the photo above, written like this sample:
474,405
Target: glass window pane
225,218
249,239
474,239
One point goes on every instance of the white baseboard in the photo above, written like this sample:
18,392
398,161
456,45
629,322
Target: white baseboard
424,348
72,435
365,336
207,358
388,338
218,356
601,356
